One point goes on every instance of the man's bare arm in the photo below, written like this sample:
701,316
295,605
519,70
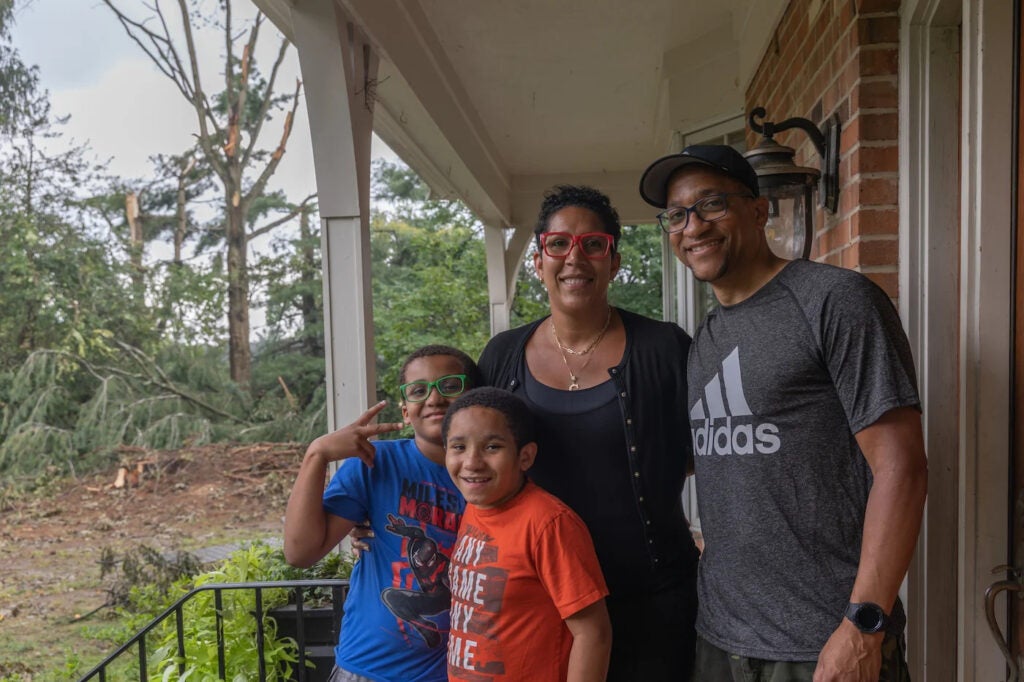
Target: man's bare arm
894,449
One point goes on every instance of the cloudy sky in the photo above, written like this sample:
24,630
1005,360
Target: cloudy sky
120,104
126,110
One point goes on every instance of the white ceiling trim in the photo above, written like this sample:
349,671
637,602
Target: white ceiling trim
402,32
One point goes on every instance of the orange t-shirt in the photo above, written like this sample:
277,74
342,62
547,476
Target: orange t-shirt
517,572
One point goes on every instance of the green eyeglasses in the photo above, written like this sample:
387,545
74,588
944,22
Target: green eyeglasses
448,386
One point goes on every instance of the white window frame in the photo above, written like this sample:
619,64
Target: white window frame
681,292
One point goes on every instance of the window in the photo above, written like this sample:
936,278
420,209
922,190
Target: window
686,300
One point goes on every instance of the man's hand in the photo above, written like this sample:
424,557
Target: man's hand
354,439
850,656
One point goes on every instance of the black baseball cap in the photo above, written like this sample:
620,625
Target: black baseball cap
722,157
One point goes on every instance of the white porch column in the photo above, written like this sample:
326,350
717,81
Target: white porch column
503,262
339,70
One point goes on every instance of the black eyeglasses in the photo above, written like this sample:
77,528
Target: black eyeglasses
593,245
709,209
448,386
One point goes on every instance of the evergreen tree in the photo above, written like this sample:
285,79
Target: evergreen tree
230,126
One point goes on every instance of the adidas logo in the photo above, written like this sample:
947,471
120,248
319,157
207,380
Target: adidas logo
722,424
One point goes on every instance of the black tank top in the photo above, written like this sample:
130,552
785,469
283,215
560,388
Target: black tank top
582,459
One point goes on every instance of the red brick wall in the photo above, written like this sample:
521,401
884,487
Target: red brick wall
843,60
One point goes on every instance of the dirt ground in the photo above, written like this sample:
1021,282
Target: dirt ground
50,544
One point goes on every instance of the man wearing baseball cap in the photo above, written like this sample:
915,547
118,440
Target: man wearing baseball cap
810,465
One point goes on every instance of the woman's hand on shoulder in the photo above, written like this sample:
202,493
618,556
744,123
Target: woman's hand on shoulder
354,439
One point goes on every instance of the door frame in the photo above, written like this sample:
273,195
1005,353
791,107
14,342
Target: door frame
960,331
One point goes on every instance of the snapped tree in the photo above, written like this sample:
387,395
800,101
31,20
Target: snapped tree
230,125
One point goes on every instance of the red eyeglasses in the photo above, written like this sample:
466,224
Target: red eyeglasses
593,245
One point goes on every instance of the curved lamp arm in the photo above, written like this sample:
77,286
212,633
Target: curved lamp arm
825,141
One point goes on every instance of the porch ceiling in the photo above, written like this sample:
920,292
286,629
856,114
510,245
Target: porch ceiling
493,102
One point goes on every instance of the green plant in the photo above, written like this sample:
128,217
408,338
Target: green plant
253,563
336,565
143,568
150,594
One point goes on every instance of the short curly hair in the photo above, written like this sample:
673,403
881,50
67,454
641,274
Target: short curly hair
474,377
581,196
517,415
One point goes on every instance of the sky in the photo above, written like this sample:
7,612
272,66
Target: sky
126,110
122,106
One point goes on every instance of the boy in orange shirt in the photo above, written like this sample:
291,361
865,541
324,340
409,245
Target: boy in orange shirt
527,591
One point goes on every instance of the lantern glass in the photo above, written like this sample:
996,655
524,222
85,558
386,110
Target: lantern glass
789,217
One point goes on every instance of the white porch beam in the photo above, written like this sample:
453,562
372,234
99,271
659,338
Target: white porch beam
423,94
337,65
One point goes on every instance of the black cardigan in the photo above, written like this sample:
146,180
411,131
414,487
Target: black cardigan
651,385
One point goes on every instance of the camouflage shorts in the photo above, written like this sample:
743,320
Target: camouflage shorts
715,665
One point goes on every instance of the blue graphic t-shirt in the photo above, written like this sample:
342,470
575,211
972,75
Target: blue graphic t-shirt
396,615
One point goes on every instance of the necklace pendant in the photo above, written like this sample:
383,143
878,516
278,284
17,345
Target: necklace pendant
573,385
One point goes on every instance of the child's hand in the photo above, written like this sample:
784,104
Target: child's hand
360,535
353,440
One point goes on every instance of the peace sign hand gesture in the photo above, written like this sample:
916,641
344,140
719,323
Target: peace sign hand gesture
354,439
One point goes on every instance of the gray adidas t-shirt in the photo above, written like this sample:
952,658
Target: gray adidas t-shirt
778,386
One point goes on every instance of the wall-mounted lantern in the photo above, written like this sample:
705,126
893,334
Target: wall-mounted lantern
789,188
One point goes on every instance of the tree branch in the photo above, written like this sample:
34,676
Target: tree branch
158,48
267,102
161,382
229,67
283,219
275,158
199,102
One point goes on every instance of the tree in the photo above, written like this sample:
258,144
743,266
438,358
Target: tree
19,95
637,286
61,284
230,125
291,356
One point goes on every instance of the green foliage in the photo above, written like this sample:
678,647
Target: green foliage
637,286
72,414
289,361
142,569
154,584
282,420
189,301
257,562
429,274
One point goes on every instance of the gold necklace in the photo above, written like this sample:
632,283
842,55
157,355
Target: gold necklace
593,344
574,383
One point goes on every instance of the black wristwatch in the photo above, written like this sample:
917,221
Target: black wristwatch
867,617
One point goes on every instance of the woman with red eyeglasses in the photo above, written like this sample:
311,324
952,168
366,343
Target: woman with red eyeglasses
608,388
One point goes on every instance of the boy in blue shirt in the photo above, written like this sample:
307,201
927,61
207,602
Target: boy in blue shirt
396,622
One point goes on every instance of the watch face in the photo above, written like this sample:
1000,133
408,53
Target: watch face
869,618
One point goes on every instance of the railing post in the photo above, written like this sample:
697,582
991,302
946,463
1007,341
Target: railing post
179,620
142,659
218,607
300,633
259,634
338,591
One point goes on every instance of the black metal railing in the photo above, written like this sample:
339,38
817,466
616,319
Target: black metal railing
339,589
